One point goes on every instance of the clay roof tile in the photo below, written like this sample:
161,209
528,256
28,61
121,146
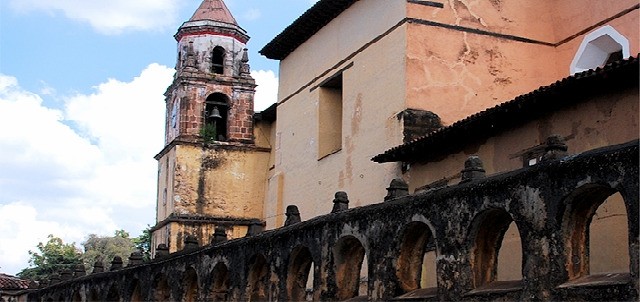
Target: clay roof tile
214,10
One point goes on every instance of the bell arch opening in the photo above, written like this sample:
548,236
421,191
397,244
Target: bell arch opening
216,114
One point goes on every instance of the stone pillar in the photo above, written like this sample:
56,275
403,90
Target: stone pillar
55,279
340,202
162,251
116,263
79,271
397,188
191,243
219,236
293,215
98,267
555,148
245,70
255,228
135,258
473,169
66,275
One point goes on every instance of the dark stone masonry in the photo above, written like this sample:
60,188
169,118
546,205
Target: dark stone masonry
464,223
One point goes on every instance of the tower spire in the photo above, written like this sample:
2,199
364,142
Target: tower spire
214,10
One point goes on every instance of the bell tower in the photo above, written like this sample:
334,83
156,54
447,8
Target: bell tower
210,172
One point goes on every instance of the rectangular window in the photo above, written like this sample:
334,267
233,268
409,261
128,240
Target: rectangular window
330,116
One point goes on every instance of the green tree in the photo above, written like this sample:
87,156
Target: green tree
52,257
143,243
104,249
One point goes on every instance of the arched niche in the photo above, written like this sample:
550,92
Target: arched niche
220,285
257,278
190,285
595,231
416,261
348,255
161,289
299,273
488,232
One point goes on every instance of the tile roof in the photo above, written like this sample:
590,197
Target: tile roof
214,10
526,107
8,282
303,28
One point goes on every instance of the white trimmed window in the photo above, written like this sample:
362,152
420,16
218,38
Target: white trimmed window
598,48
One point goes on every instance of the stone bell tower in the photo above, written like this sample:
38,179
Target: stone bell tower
210,172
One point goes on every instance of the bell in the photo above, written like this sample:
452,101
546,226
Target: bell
215,113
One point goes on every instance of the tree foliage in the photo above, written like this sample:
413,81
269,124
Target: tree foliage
97,248
143,243
55,256
52,257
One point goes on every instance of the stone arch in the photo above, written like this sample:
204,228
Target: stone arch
136,295
113,295
589,202
220,285
94,296
486,238
417,239
216,115
258,278
298,272
161,288
76,296
348,255
217,59
190,285
597,49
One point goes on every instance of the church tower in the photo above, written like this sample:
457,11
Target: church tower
210,173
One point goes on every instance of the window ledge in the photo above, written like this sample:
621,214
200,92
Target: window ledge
329,154
497,287
605,279
419,294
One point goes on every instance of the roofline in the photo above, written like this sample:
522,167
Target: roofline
303,28
523,108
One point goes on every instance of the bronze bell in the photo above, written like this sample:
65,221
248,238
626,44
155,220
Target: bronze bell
215,113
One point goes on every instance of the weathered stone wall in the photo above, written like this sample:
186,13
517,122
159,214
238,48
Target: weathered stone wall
208,185
551,203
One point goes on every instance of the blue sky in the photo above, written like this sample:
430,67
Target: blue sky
82,110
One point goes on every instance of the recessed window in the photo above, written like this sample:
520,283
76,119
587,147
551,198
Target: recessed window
602,46
217,60
330,117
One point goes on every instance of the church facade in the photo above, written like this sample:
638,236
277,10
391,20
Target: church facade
419,151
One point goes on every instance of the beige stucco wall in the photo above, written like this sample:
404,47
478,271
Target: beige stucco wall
233,181
369,109
233,186
355,27
456,66
598,122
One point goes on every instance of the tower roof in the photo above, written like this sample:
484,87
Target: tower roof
214,10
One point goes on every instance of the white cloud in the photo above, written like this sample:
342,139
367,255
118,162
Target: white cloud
252,14
110,17
267,90
95,176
